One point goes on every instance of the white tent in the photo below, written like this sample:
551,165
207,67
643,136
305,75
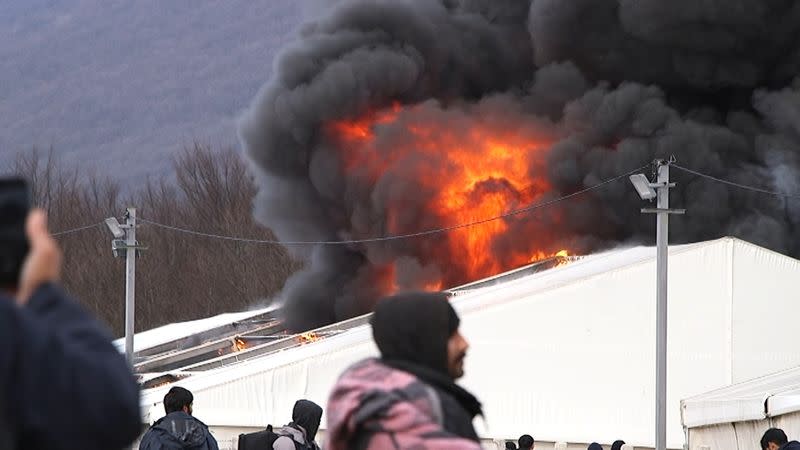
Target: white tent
736,416
157,336
566,354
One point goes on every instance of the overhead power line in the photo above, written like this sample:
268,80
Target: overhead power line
738,185
400,236
443,229
75,230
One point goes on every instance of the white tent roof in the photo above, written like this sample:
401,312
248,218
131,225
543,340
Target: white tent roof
566,354
161,335
768,396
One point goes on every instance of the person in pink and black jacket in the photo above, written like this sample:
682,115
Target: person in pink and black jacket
408,397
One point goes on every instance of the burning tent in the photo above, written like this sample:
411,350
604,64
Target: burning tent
579,337
396,117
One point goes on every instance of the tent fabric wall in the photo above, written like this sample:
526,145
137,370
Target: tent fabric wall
785,402
740,413
767,396
744,435
566,354
764,309
728,436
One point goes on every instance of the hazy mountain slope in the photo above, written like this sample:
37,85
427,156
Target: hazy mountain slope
123,84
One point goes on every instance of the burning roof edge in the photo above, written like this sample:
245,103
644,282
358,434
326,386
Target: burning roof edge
154,337
536,267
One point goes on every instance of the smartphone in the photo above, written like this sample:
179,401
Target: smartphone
15,203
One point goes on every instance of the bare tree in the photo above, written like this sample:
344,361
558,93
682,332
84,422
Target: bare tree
74,199
192,276
179,276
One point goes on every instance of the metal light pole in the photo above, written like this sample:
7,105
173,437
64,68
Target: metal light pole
662,211
128,248
130,283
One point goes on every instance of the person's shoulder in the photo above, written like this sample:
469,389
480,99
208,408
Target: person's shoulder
151,436
199,422
155,427
283,442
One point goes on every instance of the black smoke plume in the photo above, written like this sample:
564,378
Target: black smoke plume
613,84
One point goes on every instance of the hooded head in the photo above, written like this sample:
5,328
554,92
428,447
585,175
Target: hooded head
420,328
595,446
307,414
617,445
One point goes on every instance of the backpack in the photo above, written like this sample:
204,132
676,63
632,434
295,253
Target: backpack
264,440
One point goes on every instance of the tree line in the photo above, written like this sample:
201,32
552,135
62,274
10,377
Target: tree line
178,276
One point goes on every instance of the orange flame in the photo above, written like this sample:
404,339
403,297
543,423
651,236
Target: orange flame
239,344
432,286
462,175
306,338
540,256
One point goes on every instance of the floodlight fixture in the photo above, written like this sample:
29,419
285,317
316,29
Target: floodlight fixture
643,186
113,225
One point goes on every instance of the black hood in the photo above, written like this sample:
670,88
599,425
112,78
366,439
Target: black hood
415,327
791,445
307,414
412,331
179,430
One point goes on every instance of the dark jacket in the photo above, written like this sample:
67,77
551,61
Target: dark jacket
63,384
306,416
791,445
459,407
176,431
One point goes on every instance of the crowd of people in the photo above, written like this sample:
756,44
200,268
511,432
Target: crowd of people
70,387
526,442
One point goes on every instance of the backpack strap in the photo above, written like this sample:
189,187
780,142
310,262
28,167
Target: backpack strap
299,446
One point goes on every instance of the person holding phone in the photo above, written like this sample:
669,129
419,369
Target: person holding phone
63,385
